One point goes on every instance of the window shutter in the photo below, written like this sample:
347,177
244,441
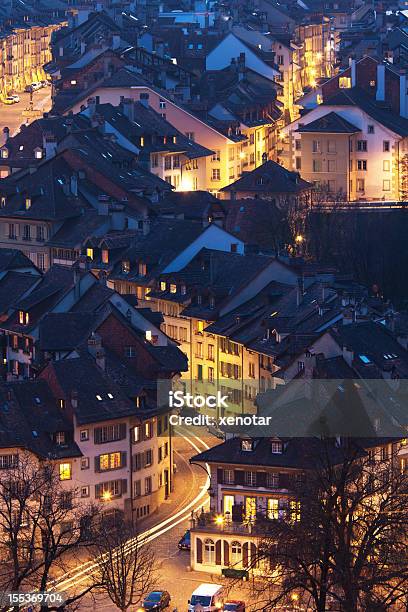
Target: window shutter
97,464
122,431
226,553
123,459
123,488
218,552
245,555
283,481
220,476
254,560
97,435
239,477
261,479
98,491
237,512
199,549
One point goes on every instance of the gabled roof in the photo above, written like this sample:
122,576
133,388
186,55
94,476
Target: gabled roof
270,177
65,331
331,123
83,376
357,97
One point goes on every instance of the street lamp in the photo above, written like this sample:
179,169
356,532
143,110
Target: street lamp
106,496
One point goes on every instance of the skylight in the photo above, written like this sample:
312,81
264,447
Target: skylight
110,395
98,397
365,359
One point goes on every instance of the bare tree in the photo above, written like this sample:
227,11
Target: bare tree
343,539
126,566
42,526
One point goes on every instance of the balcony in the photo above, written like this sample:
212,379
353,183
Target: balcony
217,523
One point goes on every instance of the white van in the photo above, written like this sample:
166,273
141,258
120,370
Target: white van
207,597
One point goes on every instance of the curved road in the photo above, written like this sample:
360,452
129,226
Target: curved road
81,572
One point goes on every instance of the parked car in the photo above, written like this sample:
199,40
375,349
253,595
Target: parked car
156,600
208,596
185,541
234,606
33,86
13,99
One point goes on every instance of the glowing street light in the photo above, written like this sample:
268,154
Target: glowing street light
299,239
106,496
219,519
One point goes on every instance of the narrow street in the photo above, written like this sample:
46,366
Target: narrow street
12,115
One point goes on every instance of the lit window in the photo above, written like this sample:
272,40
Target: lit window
28,203
3,201
105,256
148,430
98,397
276,448
142,269
246,445
162,286
142,141
38,154
110,461
173,288
295,510
73,82
89,253
344,82
23,317
273,509
148,335
110,395
4,153
65,472
125,267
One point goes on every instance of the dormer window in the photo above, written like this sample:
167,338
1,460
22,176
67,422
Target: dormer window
212,302
60,438
199,299
163,286
3,201
4,153
105,256
89,253
173,288
28,203
174,139
183,290
125,267
23,317
38,153
142,141
142,269
276,447
148,335
247,445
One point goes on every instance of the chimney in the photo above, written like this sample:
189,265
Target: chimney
380,93
74,185
241,66
97,351
128,109
91,102
348,355
74,399
4,136
403,96
49,144
353,72
300,290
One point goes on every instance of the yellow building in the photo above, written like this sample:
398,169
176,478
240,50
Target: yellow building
22,57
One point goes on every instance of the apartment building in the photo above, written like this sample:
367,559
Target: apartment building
350,147
240,144
23,53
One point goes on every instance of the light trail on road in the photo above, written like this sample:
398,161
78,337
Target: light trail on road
83,571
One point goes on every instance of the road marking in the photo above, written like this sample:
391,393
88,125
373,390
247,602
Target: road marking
82,571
